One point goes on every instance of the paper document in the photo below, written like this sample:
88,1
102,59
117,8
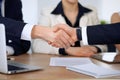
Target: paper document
94,70
58,61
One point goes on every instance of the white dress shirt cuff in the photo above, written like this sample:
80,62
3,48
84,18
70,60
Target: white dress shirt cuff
26,33
84,36
10,50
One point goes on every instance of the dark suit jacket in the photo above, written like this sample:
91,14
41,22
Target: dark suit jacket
104,34
13,9
13,34
13,14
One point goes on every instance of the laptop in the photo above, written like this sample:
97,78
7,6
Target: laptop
10,66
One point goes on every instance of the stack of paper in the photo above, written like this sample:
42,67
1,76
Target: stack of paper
70,61
94,70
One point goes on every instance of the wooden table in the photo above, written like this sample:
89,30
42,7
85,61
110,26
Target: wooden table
50,73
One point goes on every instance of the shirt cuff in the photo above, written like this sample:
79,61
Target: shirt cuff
10,50
26,33
84,36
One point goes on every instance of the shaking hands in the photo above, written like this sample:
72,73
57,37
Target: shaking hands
60,36
68,33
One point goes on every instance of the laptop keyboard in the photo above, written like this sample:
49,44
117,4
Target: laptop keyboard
12,68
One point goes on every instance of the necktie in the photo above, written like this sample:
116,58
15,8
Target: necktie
0,7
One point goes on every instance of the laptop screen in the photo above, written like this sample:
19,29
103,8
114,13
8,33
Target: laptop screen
3,55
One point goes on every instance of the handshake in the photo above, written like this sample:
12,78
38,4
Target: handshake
60,36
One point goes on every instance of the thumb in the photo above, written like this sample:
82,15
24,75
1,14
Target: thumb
63,27
58,27
55,29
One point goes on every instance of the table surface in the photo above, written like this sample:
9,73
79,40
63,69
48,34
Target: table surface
50,72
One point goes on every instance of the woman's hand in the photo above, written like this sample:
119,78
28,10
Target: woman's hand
84,51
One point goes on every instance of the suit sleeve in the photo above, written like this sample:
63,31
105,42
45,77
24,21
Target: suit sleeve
13,31
104,34
13,9
12,26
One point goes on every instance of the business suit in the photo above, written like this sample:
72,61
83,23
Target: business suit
13,31
11,18
103,34
12,9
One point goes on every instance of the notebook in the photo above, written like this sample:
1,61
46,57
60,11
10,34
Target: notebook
94,70
68,61
8,66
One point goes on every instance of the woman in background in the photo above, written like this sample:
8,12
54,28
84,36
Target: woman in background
69,12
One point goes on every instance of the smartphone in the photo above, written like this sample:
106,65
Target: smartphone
109,57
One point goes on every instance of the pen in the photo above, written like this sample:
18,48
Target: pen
9,58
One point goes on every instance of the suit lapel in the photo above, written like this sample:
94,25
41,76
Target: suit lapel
60,19
83,21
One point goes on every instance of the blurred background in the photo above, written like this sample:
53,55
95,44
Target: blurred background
105,8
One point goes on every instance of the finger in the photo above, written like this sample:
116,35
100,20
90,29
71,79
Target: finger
54,45
64,39
59,27
56,28
69,39
49,42
57,44
65,28
65,42
61,43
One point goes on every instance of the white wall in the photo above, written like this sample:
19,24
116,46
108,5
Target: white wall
95,3
30,11
109,7
105,8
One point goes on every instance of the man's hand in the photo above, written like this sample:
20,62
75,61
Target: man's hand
63,39
58,39
69,30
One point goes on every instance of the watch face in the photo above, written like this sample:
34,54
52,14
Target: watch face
110,57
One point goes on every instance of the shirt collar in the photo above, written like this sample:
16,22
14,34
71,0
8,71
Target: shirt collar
59,9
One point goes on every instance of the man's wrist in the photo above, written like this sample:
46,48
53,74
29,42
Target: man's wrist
37,32
26,33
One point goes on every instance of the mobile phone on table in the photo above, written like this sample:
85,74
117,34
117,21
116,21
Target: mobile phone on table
109,57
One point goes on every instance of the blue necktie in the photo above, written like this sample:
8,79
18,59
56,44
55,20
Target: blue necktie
0,7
